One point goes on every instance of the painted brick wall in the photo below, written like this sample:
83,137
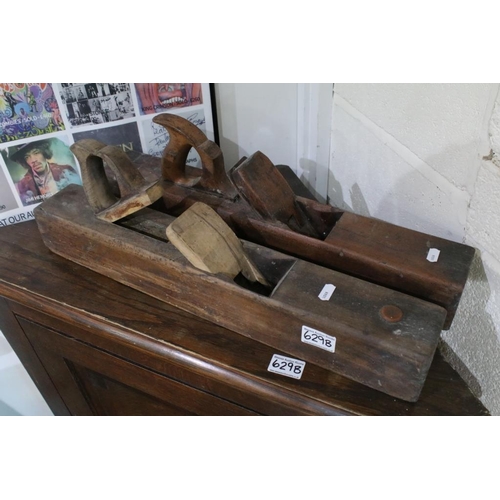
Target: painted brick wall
418,155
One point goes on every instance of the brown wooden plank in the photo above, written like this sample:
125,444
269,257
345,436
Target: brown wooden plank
401,356
376,249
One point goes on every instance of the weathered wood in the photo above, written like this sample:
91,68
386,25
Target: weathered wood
363,247
210,245
265,189
183,136
392,357
67,298
135,192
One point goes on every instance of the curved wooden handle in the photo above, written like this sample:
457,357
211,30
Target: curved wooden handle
184,136
135,191
266,190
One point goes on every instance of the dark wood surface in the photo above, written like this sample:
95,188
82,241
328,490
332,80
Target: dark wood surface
94,346
91,345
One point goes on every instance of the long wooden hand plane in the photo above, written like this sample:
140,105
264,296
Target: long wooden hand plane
376,336
255,200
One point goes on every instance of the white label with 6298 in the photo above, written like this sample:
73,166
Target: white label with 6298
318,339
286,366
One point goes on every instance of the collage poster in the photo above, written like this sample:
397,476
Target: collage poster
40,121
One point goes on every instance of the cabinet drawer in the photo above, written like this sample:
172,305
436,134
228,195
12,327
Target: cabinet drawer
196,354
93,382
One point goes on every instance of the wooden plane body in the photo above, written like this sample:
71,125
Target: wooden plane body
382,338
364,247
295,273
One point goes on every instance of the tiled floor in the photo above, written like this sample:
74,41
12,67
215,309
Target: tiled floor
18,393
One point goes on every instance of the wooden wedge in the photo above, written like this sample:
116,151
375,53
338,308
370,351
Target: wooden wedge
210,245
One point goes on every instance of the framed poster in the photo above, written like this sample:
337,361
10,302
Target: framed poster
40,121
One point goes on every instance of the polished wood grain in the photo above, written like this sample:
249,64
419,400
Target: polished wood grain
97,312
82,374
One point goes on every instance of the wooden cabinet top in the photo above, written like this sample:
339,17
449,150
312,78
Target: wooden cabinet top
150,333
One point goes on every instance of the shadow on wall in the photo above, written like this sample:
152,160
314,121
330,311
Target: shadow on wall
399,186
472,344
425,209
308,173
7,411
307,166
232,153
336,197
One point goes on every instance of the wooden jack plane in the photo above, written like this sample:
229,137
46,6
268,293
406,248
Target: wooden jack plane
258,204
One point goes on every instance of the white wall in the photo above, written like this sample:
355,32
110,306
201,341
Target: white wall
414,155
288,122
257,117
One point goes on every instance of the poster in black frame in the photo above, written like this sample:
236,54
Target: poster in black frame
44,119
